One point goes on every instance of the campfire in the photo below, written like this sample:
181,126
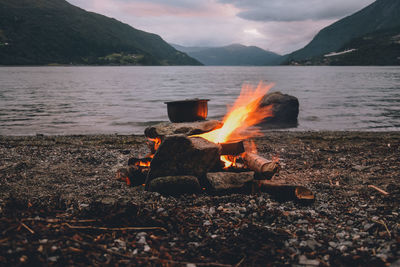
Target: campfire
210,155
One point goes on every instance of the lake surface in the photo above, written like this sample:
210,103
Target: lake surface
124,100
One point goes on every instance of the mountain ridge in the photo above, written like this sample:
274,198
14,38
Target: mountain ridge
40,32
231,55
380,15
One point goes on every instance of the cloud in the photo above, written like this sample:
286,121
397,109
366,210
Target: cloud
281,26
298,10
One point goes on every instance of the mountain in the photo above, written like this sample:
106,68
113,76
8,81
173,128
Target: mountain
380,15
380,48
37,32
231,55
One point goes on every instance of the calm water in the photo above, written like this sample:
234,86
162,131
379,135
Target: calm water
88,100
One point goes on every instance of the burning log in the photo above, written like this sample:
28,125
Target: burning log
232,148
263,167
145,162
284,191
222,182
133,175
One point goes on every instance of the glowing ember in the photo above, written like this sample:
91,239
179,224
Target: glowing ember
156,141
245,113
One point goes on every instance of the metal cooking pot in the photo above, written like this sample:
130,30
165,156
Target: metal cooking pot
187,110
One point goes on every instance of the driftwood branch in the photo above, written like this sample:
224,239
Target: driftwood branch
116,229
383,192
265,168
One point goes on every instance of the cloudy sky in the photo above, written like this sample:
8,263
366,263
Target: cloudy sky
281,26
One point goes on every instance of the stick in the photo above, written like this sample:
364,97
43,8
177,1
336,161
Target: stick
27,228
58,220
266,168
383,192
240,262
116,229
382,222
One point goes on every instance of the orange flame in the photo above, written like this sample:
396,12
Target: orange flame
157,142
245,113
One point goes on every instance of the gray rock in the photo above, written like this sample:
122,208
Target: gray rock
332,244
303,260
395,264
186,128
285,108
181,155
175,185
228,181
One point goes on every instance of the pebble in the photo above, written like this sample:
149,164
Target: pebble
207,223
211,211
146,248
242,210
332,244
159,210
341,235
368,226
303,260
347,243
23,258
53,258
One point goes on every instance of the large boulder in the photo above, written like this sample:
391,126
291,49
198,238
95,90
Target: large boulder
285,109
181,155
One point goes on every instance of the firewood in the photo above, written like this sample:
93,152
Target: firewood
265,168
232,148
133,175
284,191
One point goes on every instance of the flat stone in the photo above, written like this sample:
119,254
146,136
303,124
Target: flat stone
181,155
227,181
185,128
175,185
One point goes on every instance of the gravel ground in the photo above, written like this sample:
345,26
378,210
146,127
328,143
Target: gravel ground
60,204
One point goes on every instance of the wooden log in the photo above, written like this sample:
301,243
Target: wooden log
263,167
284,191
232,148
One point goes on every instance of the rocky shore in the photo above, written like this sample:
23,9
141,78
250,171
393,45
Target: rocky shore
60,204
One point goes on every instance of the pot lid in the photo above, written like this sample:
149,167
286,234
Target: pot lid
187,101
